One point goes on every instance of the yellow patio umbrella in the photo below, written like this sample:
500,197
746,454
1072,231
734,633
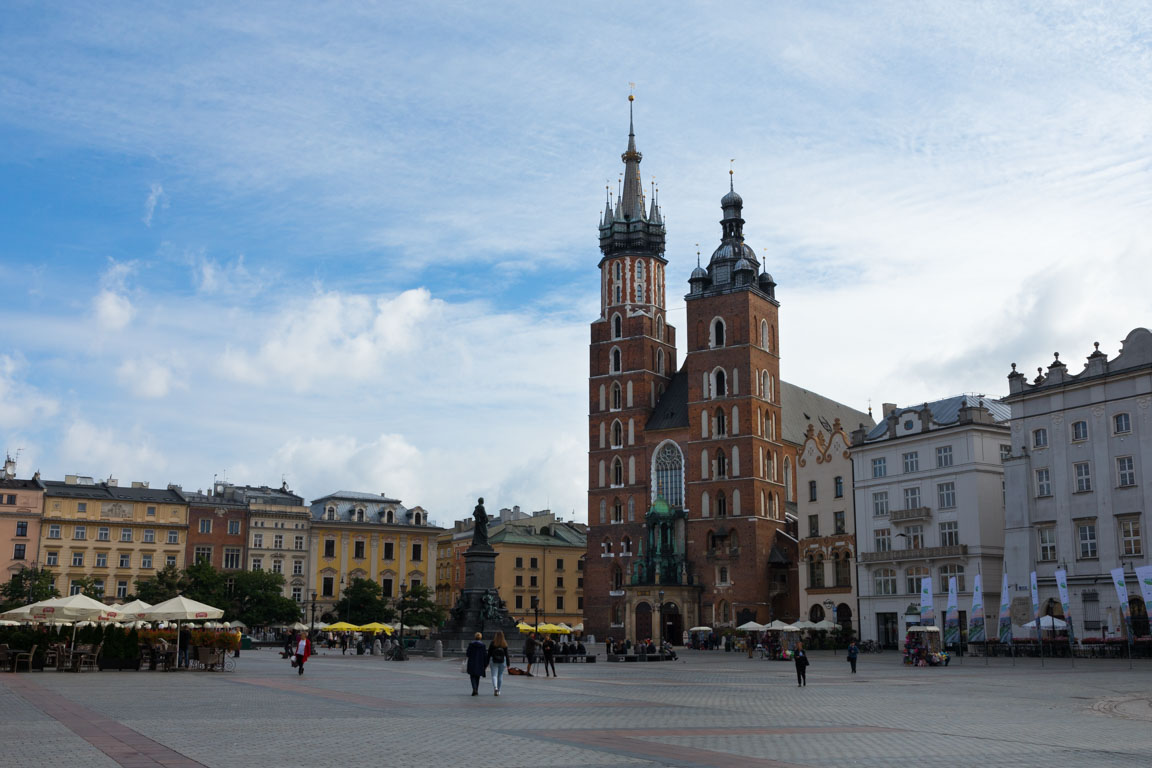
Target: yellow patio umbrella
525,628
376,627
341,626
554,629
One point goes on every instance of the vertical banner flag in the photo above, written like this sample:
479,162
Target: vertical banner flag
1062,586
1035,605
1121,593
1144,576
927,614
976,620
1005,611
952,615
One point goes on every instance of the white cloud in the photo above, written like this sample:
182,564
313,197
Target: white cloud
146,377
127,452
156,197
322,464
335,338
21,404
113,310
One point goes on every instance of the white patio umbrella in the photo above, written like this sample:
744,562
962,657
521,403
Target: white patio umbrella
700,629
241,625
751,626
803,624
130,608
780,625
180,609
298,626
1047,622
825,624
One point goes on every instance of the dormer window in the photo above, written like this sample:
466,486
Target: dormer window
359,514
330,513
417,519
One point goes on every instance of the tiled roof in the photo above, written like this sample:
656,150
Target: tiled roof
947,411
801,407
103,491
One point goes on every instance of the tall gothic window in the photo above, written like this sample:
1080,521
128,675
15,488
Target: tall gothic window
670,475
617,472
617,327
721,464
721,423
616,396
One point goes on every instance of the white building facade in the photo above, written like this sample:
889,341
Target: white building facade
827,527
929,497
1078,482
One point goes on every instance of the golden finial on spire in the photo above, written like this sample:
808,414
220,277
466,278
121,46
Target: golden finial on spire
631,91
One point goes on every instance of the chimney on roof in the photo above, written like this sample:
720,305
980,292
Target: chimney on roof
113,482
9,468
139,483
886,409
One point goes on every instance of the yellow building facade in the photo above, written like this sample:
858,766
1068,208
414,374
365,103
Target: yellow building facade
112,535
540,571
368,536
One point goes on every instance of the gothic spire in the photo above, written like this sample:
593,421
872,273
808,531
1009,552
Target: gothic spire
632,197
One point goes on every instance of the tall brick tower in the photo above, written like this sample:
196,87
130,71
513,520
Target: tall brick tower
735,455
632,358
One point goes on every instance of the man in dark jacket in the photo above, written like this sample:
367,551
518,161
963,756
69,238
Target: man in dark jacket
477,662
549,648
801,660
529,653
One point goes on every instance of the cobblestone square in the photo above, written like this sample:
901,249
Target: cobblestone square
708,709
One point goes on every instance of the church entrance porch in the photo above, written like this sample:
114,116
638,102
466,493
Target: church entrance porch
641,617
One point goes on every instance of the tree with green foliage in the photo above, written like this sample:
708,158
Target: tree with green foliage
363,603
205,584
419,607
28,585
257,599
89,587
165,585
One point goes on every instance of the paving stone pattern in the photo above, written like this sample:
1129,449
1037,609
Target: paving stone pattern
709,709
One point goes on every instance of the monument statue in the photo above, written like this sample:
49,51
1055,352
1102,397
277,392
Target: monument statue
480,530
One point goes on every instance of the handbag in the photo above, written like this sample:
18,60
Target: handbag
293,662
464,666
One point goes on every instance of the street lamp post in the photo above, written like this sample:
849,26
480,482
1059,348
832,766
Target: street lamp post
347,601
312,626
660,596
831,606
536,611
400,655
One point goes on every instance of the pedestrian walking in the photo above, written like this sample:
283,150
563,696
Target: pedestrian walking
853,652
498,661
343,643
303,651
529,653
477,662
801,660
549,648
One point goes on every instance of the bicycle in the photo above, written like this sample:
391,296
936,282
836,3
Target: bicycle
871,646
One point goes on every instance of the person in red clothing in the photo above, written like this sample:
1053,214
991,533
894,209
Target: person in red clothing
303,651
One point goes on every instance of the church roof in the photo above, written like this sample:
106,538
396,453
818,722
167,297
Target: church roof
801,407
672,410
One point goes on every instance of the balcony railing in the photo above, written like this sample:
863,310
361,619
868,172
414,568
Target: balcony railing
916,513
922,553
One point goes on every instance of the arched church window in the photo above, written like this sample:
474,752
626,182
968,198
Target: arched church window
720,386
617,511
721,504
639,293
764,334
616,396
617,327
617,434
660,362
670,475
718,332
639,270
660,328
615,360
617,471
721,423
721,463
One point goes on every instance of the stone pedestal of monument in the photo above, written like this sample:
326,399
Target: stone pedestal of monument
479,608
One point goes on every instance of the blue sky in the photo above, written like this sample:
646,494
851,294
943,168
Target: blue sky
355,247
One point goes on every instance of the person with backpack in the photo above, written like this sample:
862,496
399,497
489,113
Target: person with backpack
853,652
498,661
